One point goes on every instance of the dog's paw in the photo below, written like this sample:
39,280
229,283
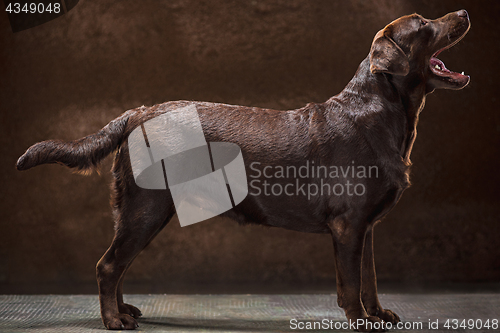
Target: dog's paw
388,316
120,321
130,310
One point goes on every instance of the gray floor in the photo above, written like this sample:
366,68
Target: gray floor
235,313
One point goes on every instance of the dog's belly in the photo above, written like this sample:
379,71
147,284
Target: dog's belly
292,217
304,207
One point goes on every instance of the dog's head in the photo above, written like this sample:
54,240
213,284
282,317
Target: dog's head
412,43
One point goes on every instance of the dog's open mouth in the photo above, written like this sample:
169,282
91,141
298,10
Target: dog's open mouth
439,69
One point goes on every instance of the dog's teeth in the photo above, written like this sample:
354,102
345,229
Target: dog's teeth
437,67
462,73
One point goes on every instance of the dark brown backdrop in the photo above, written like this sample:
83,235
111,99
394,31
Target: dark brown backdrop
69,77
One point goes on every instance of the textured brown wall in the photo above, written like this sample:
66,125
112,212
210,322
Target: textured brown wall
69,77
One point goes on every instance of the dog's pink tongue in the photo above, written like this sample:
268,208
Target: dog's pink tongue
438,67
435,63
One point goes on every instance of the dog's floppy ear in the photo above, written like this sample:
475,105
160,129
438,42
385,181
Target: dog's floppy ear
386,56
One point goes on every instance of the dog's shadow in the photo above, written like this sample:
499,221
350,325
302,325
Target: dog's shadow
169,324
157,324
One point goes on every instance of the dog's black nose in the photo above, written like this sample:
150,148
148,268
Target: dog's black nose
463,13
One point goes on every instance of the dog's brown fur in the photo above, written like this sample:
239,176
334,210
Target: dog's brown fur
372,122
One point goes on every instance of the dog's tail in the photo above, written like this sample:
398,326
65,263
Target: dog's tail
83,154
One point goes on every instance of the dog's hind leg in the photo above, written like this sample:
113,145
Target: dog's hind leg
122,306
369,284
141,216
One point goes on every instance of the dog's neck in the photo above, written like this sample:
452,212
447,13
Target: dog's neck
399,108
412,92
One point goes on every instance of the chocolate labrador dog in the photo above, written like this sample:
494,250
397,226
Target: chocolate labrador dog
371,123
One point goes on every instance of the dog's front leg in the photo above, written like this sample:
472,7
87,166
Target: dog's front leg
348,242
369,284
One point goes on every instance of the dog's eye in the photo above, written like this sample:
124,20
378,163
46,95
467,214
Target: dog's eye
423,22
